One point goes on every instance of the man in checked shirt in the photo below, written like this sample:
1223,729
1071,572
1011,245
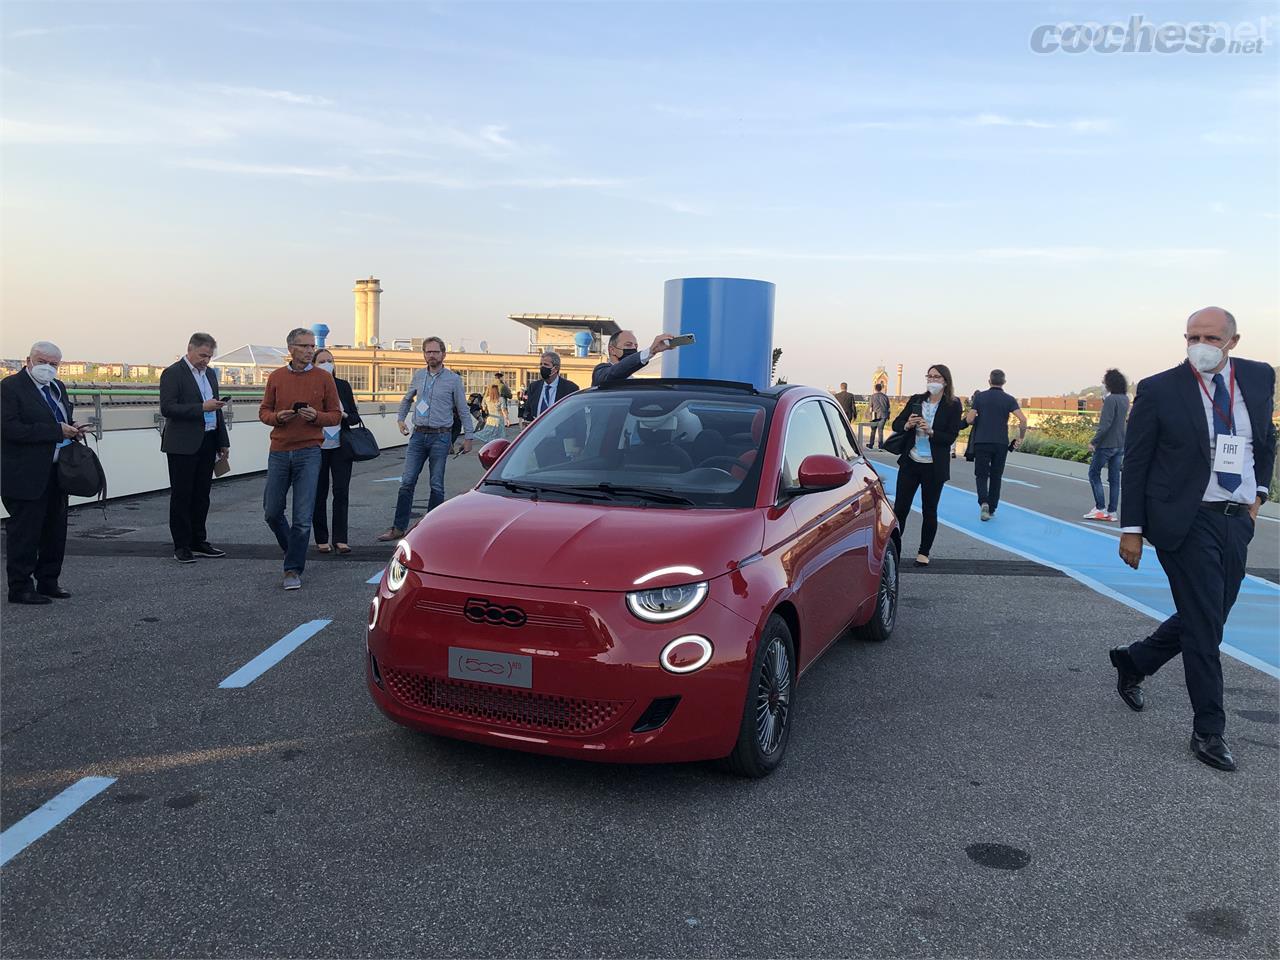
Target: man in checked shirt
426,416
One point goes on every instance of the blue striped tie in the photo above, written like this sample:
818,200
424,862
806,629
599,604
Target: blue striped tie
53,404
1222,424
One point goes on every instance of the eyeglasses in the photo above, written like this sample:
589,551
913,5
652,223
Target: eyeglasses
432,353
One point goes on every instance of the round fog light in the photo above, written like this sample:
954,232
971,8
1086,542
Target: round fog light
685,654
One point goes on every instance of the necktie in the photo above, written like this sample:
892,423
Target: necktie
1222,424
53,404
542,401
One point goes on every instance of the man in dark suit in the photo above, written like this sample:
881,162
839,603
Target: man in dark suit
36,421
1197,461
847,403
625,358
545,393
195,435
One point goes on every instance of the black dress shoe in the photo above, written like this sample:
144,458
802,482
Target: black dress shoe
1127,679
1212,750
183,555
27,596
53,590
207,549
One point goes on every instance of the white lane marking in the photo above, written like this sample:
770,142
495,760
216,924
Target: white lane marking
1021,483
386,480
39,822
269,657
1047,473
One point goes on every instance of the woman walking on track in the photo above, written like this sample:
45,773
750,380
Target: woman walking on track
926,465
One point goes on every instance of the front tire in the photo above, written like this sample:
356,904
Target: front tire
766,714
885,615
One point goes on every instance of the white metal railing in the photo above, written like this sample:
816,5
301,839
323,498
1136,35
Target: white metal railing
133,463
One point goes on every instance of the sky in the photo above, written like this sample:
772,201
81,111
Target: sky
921,186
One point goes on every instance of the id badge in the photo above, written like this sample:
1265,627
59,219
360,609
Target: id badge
423,407
1228,454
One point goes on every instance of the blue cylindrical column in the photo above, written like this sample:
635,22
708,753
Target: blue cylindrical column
732,320
321,330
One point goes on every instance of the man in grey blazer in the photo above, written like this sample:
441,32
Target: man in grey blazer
195,436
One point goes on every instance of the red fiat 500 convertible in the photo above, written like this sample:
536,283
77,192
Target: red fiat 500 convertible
642,575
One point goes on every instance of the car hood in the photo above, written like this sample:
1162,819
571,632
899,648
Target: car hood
483,536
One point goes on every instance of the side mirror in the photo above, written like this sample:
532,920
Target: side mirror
492,451
822,471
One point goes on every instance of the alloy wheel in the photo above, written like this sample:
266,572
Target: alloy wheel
773,697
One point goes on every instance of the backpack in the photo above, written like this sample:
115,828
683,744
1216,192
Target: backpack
80,472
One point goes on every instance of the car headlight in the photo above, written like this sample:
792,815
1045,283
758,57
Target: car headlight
667,603
397,572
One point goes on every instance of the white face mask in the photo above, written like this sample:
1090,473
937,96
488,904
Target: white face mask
934,388
326,367
1203,356
43,373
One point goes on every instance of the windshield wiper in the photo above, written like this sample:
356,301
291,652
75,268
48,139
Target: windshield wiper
643,493
514,487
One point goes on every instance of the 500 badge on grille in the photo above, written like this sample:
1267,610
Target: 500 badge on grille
479,610
485,666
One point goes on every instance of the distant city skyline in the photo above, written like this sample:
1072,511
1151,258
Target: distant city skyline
921,186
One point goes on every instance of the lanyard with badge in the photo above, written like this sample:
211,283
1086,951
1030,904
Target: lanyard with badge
424,403
1228,449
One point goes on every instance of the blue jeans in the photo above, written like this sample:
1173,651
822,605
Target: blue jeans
1111,457
424,448
299,469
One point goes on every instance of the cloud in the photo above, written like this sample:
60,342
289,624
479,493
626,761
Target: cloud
346,174
1162,256
1080,125
284,96
1221,138
26,132
29,32
996,120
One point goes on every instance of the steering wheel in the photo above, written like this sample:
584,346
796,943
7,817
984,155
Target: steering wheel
720,463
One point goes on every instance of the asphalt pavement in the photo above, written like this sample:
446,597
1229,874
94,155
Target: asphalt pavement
972,788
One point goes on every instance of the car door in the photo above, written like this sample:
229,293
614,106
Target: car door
818,553
860,529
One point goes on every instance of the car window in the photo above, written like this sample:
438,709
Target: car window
807,434
626,446
846,445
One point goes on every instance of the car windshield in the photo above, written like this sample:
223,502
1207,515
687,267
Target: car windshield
657,446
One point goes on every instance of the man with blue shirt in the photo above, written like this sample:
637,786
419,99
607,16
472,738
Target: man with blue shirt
990,439
195,436
426,418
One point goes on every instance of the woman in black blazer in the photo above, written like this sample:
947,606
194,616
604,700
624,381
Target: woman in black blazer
934,419
335,463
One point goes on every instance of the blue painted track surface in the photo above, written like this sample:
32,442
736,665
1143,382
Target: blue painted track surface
1253,629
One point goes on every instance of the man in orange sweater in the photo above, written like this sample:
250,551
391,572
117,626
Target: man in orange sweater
299,401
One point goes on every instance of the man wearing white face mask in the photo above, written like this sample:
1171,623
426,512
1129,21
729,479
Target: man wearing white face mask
36,421
1197,460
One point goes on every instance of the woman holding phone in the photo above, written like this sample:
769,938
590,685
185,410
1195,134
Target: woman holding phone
335,464
934,418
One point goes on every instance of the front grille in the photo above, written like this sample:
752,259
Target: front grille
508,708
533,619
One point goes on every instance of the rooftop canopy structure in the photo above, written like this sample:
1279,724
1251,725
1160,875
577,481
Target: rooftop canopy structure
251,364
555,331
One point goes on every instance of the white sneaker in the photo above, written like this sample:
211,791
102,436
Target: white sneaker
293,581
1112,517
984,513
1097,515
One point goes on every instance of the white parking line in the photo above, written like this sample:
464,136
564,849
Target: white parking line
269,657
39,822
1021,483
386,480
1047,473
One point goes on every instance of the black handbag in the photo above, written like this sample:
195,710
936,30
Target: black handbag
898,443
80,472
360,444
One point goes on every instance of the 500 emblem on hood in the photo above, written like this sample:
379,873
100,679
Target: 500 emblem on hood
479,610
